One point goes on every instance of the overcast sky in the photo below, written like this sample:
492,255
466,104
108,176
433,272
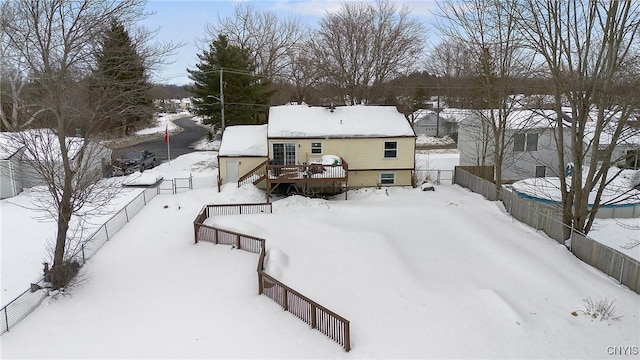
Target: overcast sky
184,21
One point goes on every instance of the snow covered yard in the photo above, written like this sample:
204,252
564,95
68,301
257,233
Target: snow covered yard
442,274
622,235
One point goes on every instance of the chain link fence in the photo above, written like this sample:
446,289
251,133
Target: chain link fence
438,177
174,184
18,308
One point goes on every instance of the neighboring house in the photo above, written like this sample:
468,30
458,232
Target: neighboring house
531,149
176,105
21,152
326,150
171,105
10,181
243,147
452,118
438,124
185,104
429,123
626,153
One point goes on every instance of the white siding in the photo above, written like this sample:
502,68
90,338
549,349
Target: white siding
517,165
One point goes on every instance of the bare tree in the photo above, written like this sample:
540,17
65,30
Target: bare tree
450,58
303,72
55,43
14,76
364,45
269,39
590,51
486,30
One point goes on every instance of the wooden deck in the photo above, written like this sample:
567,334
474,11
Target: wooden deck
311,180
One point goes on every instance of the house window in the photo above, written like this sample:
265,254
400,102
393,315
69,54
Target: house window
390,149
284,153
522,142
602,155
518,142
532,142
632,159
387,178
541,171
316,148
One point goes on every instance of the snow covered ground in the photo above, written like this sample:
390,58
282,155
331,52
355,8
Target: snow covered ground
424,140
621,234
442,274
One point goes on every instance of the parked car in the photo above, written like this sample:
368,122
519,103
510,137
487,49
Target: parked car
132,161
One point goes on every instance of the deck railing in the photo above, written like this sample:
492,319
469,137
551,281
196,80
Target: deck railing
254,175
317,316
307,172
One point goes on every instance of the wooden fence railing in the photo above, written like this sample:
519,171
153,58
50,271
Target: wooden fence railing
254,174
317,316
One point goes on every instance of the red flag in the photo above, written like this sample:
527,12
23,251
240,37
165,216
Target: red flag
166,134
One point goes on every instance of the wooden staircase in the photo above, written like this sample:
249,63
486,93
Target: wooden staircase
255,175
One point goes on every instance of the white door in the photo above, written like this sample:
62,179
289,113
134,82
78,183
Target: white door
232,170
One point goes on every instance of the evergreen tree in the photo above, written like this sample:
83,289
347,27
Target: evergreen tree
485,94
245,95
121,83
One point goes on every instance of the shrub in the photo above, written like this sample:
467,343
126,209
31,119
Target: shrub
603,309
60,276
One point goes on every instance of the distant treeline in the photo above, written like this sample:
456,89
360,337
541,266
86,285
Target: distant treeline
164,91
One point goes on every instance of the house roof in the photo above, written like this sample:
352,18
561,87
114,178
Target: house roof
425,115
531,119
455,115
546,119
42,145
302,121
516,118
244,140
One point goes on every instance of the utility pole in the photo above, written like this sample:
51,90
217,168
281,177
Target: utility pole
221,102
438,114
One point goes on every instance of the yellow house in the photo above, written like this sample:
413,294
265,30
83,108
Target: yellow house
243,147
322,150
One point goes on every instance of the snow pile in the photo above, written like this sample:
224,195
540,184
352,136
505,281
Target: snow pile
634,178
232,194
424,140
294,202
164,122
206,145
331,160
275,262
146,178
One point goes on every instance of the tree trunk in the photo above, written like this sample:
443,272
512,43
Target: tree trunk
64,217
